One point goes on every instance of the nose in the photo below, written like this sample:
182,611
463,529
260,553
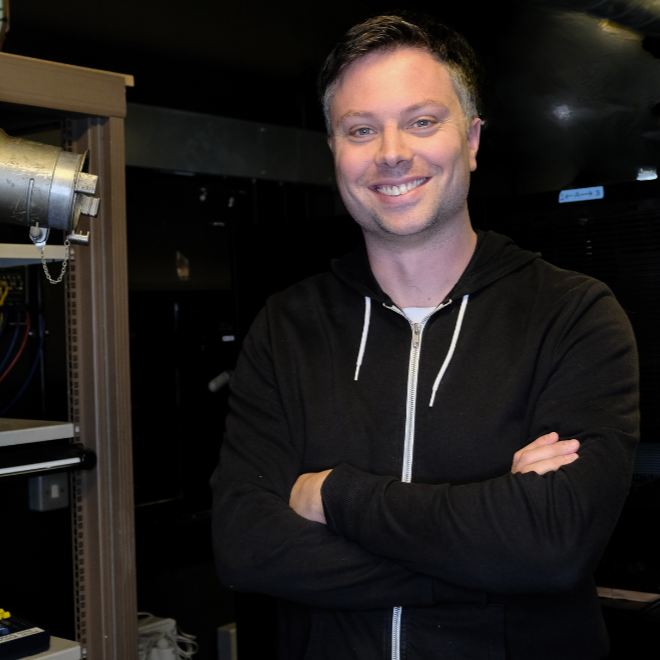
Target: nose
394,147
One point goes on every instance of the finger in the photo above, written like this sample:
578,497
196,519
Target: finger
550,464
547,439
529,455
537,454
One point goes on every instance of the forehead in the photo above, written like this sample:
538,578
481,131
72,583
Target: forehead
386,79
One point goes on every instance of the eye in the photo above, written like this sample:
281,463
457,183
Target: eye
361,132
422,123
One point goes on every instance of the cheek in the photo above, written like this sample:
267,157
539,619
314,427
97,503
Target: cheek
444,152
351,166
439,157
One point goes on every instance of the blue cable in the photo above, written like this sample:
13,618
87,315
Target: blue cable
34,366
13,341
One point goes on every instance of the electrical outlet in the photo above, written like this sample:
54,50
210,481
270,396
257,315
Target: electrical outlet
49,491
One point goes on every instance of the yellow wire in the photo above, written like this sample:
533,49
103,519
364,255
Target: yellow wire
4,286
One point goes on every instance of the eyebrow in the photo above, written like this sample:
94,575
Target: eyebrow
355,113
410,109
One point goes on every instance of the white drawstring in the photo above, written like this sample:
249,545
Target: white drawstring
450,353
365,334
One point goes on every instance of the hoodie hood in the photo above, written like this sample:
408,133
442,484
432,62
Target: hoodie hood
494,257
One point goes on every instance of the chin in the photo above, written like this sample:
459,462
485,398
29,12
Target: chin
391,230
405,226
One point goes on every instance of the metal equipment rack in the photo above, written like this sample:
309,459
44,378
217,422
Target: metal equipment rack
93,106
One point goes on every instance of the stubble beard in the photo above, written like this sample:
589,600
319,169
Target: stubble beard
440,220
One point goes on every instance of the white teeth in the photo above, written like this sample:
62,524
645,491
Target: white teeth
402,189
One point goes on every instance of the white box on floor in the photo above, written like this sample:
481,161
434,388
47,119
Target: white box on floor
227,649
60,649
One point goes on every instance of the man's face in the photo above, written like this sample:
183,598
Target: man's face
399,128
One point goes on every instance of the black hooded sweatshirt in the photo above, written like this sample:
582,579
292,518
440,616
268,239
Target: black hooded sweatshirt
467,560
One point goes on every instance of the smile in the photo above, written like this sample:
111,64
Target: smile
402,189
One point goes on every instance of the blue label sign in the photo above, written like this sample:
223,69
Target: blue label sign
581,194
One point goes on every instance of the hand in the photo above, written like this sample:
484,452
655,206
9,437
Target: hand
305,497
545,454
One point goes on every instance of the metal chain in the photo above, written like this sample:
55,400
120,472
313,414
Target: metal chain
67,243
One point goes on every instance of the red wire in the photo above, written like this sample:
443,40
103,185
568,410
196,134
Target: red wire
20,350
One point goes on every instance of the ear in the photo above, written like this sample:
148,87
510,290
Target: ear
331,144
474,135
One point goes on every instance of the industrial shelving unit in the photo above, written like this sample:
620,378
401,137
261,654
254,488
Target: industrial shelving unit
92,105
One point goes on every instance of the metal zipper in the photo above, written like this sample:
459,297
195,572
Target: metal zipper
411,401
396,633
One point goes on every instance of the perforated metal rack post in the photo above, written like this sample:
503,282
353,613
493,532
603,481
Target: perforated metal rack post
97,338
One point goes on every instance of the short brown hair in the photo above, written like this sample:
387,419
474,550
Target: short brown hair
404,30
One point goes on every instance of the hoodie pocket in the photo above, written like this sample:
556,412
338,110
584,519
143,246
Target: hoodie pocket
453,632
349,635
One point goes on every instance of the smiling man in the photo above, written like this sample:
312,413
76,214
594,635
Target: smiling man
401,463
402,168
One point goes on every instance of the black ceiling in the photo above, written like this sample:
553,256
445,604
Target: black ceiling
571,99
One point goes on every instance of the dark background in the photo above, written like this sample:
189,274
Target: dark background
571,99
570,96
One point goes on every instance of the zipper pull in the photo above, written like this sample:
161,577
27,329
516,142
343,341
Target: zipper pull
416,335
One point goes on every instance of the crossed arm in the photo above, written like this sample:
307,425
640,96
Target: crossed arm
545,454
537,528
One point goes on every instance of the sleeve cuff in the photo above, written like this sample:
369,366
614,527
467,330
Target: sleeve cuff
346,493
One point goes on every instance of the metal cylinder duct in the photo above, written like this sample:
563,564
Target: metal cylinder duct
44,187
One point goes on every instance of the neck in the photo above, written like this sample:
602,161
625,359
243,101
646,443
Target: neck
421,274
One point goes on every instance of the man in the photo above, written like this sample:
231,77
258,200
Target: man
401,465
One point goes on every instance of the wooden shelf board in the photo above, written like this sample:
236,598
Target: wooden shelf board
42,84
